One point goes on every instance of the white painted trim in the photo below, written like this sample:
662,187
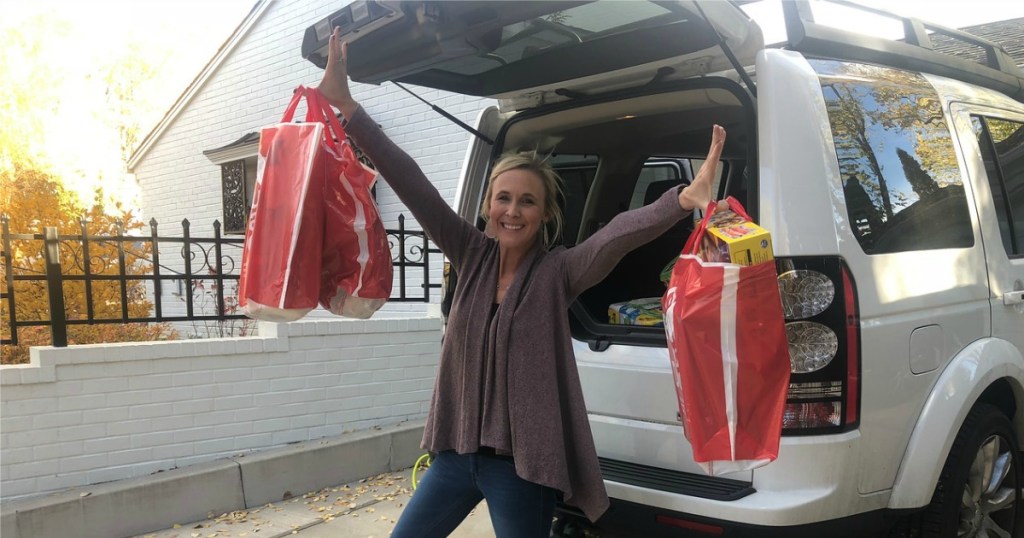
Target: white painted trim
193,89
234,154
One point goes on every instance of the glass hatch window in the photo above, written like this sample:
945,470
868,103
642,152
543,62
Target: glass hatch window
563,28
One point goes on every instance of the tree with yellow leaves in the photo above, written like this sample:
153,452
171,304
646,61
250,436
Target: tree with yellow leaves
32,199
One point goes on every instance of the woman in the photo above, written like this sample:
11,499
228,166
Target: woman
507,420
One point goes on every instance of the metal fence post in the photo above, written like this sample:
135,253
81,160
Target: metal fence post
55,287
9,274
157,285
401,256
426,269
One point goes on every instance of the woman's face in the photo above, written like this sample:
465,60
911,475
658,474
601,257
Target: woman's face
517,208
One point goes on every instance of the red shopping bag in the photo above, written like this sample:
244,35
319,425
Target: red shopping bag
280,273
356,274
730,357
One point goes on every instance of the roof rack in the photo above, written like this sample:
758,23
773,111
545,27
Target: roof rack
914,52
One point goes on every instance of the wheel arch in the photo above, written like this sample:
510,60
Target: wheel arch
989,370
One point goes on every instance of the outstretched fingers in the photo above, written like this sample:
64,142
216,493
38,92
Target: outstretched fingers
334,85
698,193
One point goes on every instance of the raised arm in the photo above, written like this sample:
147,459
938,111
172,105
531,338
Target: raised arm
590,261
450,232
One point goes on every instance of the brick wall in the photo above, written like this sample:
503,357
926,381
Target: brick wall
88,414
251,88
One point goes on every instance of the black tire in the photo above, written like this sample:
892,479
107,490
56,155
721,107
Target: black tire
985,444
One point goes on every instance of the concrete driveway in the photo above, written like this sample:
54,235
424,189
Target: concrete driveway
367,508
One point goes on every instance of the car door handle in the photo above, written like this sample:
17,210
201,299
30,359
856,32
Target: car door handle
1013,297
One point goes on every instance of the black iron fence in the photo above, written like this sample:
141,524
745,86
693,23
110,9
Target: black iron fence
200,272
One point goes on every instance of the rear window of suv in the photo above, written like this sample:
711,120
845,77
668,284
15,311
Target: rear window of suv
899,171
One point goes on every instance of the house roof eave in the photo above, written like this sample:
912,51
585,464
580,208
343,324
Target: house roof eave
193,89
247,146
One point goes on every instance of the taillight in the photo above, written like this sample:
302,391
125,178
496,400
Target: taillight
820,305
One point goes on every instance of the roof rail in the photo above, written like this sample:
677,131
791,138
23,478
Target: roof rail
915,52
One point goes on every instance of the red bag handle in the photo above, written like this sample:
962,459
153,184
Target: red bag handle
317,109
693,243
316,101
297,97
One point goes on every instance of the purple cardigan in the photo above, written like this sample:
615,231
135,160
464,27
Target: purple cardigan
522,394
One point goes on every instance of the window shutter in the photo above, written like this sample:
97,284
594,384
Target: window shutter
236,210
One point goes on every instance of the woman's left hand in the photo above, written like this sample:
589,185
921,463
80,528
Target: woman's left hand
698,192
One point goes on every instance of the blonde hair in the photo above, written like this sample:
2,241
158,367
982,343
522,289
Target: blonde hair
531,161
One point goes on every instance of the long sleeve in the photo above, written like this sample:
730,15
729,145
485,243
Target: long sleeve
445,228
589,262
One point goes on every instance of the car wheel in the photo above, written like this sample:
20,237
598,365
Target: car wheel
977,494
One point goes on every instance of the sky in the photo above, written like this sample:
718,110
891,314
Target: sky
186,32
194,29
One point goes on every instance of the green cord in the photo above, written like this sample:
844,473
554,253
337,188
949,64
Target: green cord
417,466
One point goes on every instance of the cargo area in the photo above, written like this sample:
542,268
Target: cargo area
624,150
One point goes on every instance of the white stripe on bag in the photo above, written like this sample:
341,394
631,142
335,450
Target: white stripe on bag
318,129
360,229
730,363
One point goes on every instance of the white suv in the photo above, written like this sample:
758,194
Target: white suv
892,179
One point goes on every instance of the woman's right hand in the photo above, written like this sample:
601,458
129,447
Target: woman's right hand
334,85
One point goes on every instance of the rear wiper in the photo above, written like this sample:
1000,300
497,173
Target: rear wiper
728,54
442,112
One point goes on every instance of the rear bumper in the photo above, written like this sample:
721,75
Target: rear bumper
815,479
626,519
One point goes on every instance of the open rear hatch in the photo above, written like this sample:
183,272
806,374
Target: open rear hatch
531,53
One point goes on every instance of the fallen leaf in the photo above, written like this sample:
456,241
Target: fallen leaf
177,526
85,494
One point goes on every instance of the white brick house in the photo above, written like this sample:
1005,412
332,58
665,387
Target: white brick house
246,86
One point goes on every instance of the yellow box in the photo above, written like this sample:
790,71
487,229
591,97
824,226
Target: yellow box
742,243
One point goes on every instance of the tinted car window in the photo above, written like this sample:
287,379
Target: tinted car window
1002,148
654,177
577,174
900,175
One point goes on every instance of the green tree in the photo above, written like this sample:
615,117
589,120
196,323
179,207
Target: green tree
920,181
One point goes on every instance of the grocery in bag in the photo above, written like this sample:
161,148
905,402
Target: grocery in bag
280,273
727,343
357,274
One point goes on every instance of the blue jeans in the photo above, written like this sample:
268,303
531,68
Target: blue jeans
455,483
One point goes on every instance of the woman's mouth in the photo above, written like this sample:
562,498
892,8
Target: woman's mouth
512,227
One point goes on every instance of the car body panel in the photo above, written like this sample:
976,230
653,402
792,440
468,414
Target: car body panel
978,366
